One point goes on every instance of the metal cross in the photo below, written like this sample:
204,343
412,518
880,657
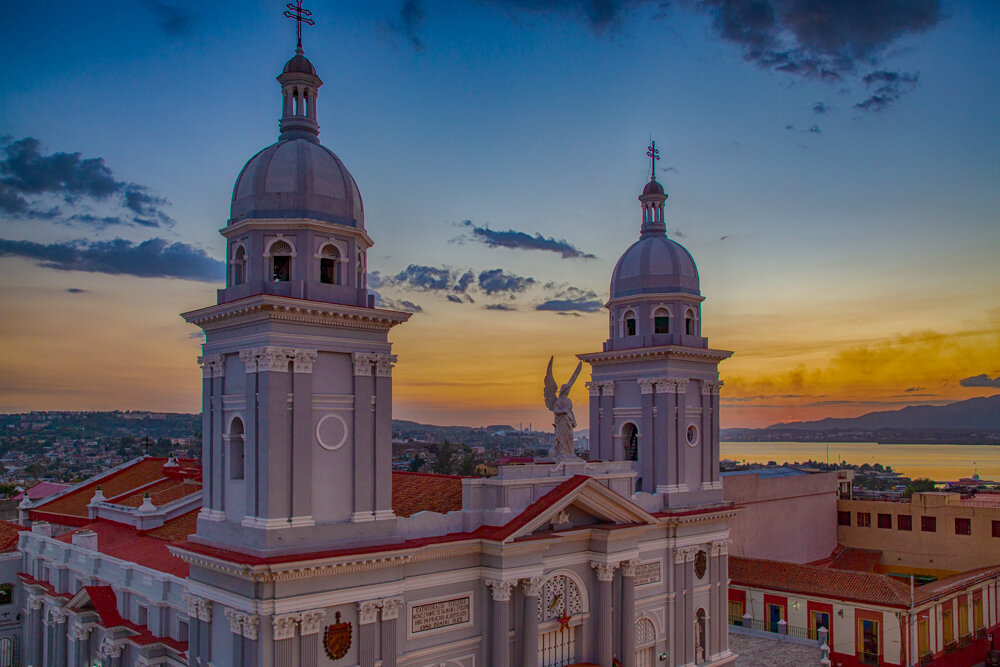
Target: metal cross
301,16
654,155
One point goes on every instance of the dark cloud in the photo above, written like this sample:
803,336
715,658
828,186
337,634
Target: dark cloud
395,304
497,281
912,389
175,21
409,22
455,298
814,129
26,172
820,108
499,306
155,258
885,88
524,241
983,380
425,278
570,305
75,290
465,281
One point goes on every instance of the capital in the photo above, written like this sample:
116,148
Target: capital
212,365
235,619
500,589
192,605
303,360
205,611
79,633
384,364
111,649
35,603
680,555
604,571
532,587
363,362
311,621
629,566
391,607
646,385
251,624
368,611
283,627
249,359
594,387
274,359
608,388
681,384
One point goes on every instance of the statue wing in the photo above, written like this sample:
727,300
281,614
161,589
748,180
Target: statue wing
550,389
576,374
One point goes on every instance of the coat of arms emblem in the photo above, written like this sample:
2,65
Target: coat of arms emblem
337,638
700,564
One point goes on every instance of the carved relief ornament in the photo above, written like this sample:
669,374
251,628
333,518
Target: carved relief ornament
363,362
312,621
212,365
500,589
368,612
390,608
604,571
384,364
283,626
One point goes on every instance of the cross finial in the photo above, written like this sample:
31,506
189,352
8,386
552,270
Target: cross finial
654,155
300,15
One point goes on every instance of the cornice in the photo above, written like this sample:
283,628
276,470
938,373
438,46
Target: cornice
281,225
655,297
660,352
261,307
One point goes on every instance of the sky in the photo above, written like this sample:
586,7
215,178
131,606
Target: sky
831,165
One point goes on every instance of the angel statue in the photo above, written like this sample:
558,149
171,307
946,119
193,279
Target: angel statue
562,408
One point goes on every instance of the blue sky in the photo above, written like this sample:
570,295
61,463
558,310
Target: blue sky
817,234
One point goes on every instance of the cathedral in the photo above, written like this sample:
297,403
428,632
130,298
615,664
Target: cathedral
292,543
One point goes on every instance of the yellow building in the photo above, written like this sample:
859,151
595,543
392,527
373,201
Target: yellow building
935,533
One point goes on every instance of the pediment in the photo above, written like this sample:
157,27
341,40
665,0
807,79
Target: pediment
590,502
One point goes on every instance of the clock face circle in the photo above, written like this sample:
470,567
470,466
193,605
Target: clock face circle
692,435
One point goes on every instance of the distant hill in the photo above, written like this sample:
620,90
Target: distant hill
974,414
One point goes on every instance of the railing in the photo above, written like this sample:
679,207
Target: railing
950,647
866,658
768,626
964,640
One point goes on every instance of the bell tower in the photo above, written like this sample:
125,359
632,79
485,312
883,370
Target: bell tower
297,365
654,389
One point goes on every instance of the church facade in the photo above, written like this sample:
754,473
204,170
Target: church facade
293,543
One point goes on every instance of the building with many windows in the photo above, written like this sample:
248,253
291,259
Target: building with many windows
294,542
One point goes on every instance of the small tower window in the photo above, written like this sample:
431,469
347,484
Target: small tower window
630,323
689,323
661,322
329,265
630,442
240,266
281,262
361,271
236,449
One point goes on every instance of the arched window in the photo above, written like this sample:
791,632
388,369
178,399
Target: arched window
699,647
630,323
329,265
281,261
689,323
239,266
236,449
661,321
645,643
560,598
630,442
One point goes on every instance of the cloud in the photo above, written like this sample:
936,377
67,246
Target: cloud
455,299
155,258
175,21
497,281
395,304
983,380
499,306
570,305
409,23
523,241
425,278
26,172
75,290
465,281
886,88
814,129
820,108
912,389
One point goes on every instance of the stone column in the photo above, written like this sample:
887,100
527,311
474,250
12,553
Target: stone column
670,429
607,418
722,623
33,623
251,435
602,613
689,555
364,436
682,435
531,588
112,651
390,616
79,655
626,613
500,623
716,444
193,630
682,630
367,615
235,619
274,434
646,455
661,436
715,611
705,442
382,481
283,634
205,631
300,466
310,624
595,419
59,655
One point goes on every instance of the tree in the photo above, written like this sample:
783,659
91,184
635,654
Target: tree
918,485
445,459
469,462
416,464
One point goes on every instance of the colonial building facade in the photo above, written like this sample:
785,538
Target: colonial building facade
293,543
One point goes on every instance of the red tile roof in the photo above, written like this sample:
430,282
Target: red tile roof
105,604
850,558
414,492
867,587
71,508
9,533
42,490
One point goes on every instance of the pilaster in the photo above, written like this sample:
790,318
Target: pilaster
602,615
390,619
530,590
499,621
383,436
626,613
310,624
647,451
301,450
364,436
367,615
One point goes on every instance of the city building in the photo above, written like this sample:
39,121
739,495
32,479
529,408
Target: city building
295,543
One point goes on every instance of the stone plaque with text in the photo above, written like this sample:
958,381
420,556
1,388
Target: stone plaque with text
440,614
647,573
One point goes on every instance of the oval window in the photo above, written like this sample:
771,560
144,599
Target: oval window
692,435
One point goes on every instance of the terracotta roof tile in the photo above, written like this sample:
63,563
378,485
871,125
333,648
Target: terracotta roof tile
414,492
859,560
9,533
867,587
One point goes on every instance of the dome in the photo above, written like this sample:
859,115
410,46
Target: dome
297,178
299,64
652,188
654,265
